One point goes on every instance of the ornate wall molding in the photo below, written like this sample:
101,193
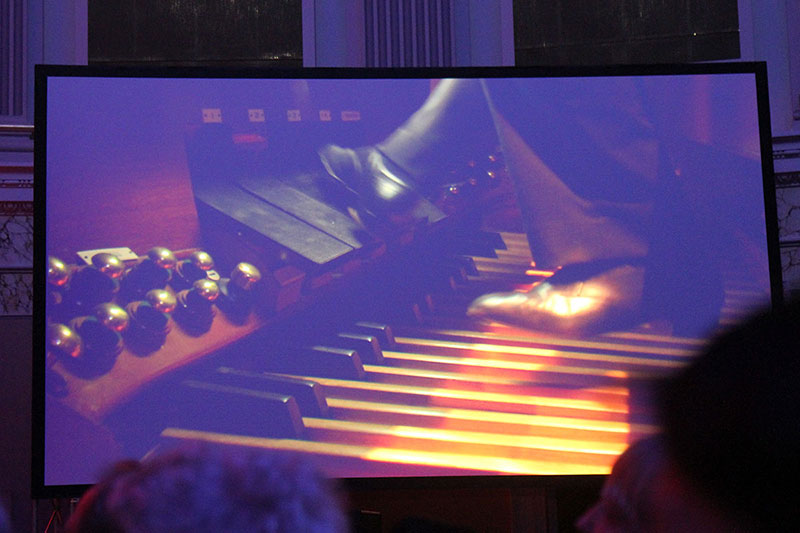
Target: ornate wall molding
16,240
16,292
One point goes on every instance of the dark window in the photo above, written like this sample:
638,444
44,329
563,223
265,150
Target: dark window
569,32
192,32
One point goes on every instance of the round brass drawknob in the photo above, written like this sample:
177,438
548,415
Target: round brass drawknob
206,289
57,272
245,275
112,316
109,264
162,257
64,339
202,260
161,300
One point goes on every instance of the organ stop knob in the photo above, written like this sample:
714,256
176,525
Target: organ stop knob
96,283
63,341
153,272
236,294
150,320
102,337
199,265
58,274
195,311
63,344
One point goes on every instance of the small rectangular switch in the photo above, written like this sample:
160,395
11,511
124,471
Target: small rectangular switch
212,115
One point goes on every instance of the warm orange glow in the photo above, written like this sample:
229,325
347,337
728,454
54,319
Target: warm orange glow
496,400
479,462
543,273
464,462
470,361
449,439
521,337
495,366
531,422
505,400
543,352
566,306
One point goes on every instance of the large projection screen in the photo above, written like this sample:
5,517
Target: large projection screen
462,272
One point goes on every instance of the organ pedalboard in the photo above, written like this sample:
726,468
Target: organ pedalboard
371,383
366,362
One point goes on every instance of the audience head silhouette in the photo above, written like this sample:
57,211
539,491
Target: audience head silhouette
730,449
210,490
730,421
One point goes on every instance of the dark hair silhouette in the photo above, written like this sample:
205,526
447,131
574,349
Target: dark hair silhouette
730,420
206,489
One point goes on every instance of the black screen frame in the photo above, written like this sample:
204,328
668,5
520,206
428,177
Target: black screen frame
44,72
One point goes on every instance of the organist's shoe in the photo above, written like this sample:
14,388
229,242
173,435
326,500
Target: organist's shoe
376,190
578,300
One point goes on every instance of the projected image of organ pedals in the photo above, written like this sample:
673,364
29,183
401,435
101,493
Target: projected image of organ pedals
395,276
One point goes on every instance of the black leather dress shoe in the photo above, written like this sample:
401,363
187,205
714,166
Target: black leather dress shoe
603,301
375,189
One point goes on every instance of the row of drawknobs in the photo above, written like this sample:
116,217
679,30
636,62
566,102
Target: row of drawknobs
94,309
